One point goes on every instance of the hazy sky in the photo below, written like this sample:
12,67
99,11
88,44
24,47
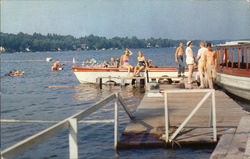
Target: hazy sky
175,19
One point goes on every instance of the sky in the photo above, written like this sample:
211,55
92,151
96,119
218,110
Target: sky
173,19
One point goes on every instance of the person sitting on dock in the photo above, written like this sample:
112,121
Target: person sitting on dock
190,60
210,62
200,58
142,63
179,59
56,66
125,59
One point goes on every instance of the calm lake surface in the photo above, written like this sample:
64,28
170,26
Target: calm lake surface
29,98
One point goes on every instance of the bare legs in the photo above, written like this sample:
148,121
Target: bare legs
138,69
190,73
129,68
211,76
201,74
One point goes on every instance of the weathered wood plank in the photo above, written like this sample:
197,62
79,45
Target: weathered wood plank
222,147
247,152
238,145
150,117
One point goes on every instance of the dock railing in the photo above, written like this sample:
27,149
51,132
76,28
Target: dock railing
212,117
68,124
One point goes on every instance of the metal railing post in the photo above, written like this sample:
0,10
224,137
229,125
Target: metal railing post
116,122
73,141
166,116
214,116
210,122
190,116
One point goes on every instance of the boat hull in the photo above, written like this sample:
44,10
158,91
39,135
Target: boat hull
237,85
90,74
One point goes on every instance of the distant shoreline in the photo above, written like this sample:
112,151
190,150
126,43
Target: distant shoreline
21,42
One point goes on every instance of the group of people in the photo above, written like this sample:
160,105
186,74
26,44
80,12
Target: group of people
123,62
206,59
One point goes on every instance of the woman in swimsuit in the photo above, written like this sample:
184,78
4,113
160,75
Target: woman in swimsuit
125,59
142,63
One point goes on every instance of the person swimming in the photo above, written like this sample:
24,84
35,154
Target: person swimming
56,65
15,73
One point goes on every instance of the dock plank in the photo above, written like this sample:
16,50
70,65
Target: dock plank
247,152
222,147
150,118
238,146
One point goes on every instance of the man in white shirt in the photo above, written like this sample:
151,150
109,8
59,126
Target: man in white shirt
190,60
200,58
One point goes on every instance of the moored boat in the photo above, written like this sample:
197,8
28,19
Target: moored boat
90,74
233,69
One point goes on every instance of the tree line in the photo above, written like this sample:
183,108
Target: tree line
23,42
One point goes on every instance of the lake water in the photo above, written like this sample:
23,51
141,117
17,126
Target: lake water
29,98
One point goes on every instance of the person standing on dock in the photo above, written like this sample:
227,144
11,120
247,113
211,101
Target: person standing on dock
190,60
179,59
200,58
125,59
210,62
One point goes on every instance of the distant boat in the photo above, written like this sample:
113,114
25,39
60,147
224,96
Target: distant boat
48,59
233,70
74,61
2,49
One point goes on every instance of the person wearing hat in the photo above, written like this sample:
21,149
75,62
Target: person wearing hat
190,60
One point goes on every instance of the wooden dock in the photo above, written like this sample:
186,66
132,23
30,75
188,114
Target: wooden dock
147,130
235,143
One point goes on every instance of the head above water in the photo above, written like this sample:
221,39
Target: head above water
112,58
